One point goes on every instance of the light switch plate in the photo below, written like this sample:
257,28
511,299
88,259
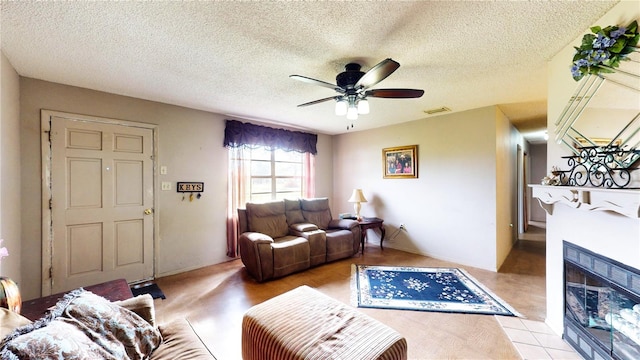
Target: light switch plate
166,185
163,170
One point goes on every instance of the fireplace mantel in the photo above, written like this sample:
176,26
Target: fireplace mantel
621,201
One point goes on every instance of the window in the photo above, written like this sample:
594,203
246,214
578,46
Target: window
261,171
273,174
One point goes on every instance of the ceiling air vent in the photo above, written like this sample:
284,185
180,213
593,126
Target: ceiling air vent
437,110
579,98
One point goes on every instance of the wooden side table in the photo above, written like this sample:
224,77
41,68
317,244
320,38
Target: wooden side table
370,223
111,290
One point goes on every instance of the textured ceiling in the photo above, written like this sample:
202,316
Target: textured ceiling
234,58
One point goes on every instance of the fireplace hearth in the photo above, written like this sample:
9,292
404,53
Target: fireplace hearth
602,305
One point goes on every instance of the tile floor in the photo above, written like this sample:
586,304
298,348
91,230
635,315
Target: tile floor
536,340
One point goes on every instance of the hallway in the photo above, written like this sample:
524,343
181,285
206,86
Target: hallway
536,231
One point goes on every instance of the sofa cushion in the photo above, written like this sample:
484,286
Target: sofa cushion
84,326
268,218
316,211
9,321
58,340
317,204
128,331
180,341
304,227
293,211
142,305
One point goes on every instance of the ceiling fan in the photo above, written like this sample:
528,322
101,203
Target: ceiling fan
353,87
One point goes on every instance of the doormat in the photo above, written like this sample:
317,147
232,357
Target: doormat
148,288
423,289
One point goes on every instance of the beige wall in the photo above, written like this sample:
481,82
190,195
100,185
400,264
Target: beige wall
191,234
450,211
506,192
324,169
538,167
609,234
10,169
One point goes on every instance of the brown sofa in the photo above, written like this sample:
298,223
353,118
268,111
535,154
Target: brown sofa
282,237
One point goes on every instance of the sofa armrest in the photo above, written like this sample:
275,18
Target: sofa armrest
302,227
256,254
346,224
256,237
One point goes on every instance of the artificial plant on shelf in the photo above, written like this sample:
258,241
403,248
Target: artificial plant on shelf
553,178
602,51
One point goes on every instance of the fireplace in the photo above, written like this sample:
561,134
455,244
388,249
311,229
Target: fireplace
604,221
602,305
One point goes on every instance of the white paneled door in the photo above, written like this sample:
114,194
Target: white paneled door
102,200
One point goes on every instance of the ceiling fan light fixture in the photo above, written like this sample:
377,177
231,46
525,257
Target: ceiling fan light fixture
363,106
352,113
341,107
353,87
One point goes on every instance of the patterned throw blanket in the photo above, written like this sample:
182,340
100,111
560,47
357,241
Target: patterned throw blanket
83,326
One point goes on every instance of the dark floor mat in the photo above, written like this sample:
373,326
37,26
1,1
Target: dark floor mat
149,288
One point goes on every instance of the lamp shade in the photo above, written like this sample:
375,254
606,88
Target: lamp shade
341,107
363,106
352,113
357,196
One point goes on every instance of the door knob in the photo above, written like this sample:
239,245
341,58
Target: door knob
148,211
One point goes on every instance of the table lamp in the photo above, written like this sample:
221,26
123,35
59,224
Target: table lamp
10,295
357,197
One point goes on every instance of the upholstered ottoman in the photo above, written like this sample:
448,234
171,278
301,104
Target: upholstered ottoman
306,324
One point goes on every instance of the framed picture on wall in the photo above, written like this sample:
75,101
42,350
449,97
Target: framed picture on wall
400,162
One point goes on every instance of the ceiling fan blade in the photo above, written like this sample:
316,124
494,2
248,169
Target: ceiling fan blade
377,73
317,82
394,93
318,101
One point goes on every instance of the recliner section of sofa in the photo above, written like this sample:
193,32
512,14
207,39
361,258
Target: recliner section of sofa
282,237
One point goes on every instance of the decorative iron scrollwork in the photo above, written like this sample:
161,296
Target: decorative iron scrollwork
599,167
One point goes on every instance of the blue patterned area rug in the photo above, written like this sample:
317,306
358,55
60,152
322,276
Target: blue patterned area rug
423,289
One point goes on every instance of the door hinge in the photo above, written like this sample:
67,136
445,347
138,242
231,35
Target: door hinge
51,272
50,204
49,134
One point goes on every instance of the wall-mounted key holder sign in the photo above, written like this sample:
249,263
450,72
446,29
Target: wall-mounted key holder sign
190,187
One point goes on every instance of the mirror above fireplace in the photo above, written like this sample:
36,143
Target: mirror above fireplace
604,113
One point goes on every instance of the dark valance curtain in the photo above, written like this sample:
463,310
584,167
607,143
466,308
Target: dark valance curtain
237,134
